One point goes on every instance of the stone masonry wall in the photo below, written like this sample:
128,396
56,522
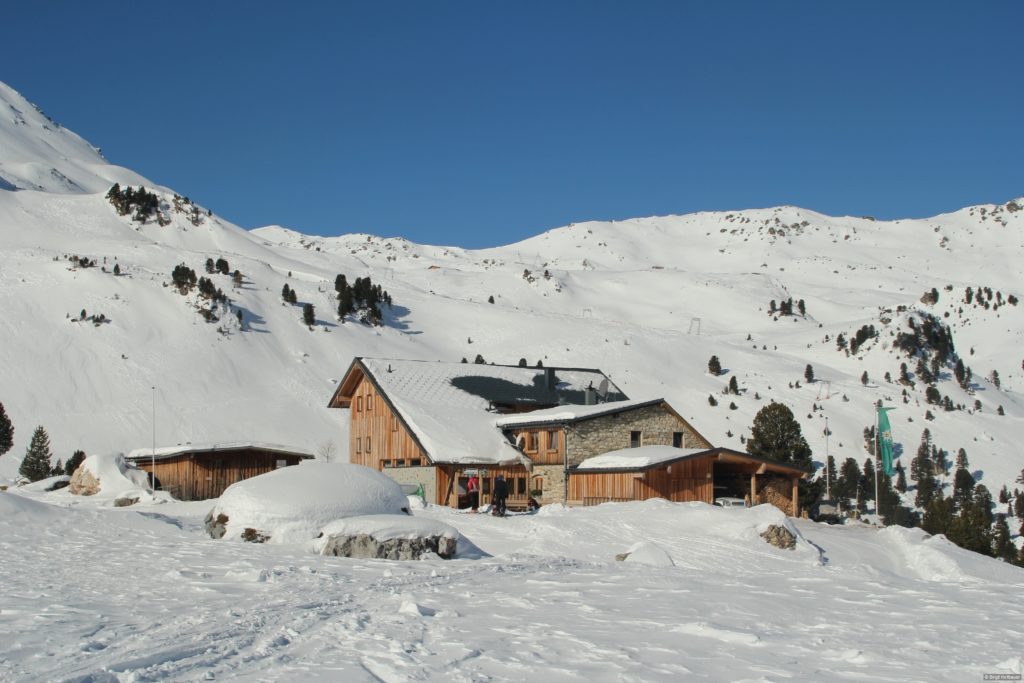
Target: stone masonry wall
611,432
554,483
426,476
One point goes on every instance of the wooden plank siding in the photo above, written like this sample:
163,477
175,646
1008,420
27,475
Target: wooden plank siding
377,435
689,480
205,475
548,444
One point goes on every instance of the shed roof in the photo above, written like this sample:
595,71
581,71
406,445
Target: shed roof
166,452
662,456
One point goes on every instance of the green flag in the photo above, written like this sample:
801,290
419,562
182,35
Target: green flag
885,440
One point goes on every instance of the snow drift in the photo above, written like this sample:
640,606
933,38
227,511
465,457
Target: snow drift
293,504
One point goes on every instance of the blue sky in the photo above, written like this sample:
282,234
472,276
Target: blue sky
482,123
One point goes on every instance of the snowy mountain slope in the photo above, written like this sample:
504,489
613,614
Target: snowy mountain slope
647,300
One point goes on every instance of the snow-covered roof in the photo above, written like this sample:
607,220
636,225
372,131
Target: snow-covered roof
636,458
164,452
447,406
569,413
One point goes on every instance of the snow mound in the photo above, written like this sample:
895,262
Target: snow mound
387,527
293,504
15,509
934,558
651,554
45,485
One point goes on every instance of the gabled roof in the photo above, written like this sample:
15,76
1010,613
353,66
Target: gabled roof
446,407
165,452
653,457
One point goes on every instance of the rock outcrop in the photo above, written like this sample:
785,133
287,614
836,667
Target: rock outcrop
780,537
364,546
84,483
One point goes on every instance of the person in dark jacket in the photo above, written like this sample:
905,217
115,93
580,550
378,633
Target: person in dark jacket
499,496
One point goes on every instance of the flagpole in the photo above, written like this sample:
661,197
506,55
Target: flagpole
878,460
828,478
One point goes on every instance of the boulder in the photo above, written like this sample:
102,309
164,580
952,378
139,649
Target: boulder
779,536
364,546
84,483
125,501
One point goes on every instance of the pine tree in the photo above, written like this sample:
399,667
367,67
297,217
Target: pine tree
209,266
6,431
864,378
712,401
479,360
74,461
867,481
58,469
308,314
802,307
36,463
490,299
286,292
809,373
927,488
1002,547
901,479
522,362
963,488
714,366
293,298
938,515
776,435
849,480
734,387
117,269
830,468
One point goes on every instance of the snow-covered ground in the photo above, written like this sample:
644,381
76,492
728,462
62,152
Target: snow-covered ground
141,594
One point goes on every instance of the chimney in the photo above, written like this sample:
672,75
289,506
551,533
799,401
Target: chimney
549,379
590,396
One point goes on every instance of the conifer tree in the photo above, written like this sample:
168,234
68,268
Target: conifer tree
963,488
864,378
901,479
809,373
522,362
74,461
209,266
714,366
712,401
938,515
6,431
286,292
849,480
1002,547
308,314
776,434
734,387
479,360
36,463
117,269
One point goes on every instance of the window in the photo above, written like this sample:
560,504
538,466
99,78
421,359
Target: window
359,445
677,439
369,401
486,489
367,444
400,463
553,440
521,486
415,462
394,423
531,441
280,463
635,439
359,404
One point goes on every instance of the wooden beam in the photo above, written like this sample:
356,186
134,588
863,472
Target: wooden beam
753,489
796,497
763,468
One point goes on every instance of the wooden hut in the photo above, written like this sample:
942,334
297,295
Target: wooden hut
684,475
200,472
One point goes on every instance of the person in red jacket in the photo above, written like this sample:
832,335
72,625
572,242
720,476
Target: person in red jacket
473,489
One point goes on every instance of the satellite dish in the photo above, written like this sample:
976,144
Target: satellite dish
602,389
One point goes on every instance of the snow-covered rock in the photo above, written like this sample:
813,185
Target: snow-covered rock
293,504
49,484
392,537
110,475
648,553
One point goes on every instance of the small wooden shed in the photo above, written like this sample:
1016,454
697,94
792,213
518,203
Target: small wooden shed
201,472
685,475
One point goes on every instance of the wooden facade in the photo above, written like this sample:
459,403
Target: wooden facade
542,445
205,474
703,477
685,481
377,438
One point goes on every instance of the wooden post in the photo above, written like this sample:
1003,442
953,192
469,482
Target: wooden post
796,498
753,489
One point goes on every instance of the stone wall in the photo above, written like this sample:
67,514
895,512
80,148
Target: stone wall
554,483
611,432
426,476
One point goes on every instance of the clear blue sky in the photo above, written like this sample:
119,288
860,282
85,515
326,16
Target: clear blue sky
481,123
